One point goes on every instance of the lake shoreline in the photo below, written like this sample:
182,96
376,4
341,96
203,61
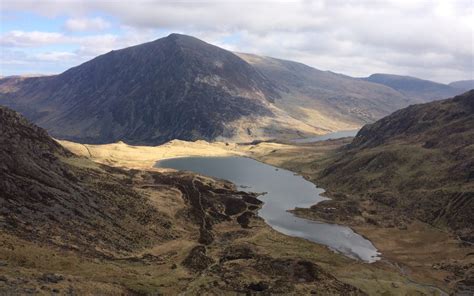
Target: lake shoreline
391,242
279,185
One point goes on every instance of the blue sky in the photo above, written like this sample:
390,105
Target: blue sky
424,38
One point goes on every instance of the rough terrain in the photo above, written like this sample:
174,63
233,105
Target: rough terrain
72,226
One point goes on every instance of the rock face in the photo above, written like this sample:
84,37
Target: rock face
179,87
417,163
415,88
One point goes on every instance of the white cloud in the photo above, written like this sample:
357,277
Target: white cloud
54,56
86,24
356,37
29,39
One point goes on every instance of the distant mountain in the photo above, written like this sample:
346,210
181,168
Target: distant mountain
180,87
417,163
326,99
463,84
415,88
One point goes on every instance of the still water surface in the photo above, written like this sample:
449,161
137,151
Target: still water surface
285,191
329,136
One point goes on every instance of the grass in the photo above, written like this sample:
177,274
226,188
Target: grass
29,260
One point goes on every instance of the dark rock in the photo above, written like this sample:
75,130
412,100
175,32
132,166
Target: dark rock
234,206
252,200
51,278
197,259
205,236
371,221
244,219
238,252
259,287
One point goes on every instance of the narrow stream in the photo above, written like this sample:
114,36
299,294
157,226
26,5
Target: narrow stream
285,191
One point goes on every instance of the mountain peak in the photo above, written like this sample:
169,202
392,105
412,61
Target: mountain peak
179,37
152,93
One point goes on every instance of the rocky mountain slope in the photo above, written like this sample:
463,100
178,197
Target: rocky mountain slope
40,192
175,87
72,226
323,98
415,88
179,87
417,163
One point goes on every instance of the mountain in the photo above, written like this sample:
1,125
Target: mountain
417,163
181,87
415,88
463,84
326,99
175,87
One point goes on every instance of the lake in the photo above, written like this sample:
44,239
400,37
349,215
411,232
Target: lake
285,191
329,136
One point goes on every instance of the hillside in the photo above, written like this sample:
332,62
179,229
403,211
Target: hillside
417,163
180,87
41,192
414,88
324,98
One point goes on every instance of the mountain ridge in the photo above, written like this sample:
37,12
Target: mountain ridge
463,84
420,89
179,87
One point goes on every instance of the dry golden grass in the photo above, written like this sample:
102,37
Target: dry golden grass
144,157
401,249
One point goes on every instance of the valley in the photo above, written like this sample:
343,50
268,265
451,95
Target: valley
134,94
178,167
178,231
402,245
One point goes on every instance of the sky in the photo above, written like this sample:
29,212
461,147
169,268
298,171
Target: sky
430,39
